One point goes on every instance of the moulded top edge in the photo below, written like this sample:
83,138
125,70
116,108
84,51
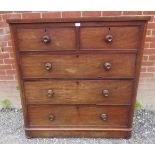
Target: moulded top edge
82,19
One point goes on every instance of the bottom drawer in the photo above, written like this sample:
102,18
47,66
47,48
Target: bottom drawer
77,115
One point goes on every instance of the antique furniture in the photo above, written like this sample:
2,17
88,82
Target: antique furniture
78,77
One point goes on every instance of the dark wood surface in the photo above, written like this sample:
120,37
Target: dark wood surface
78,132
78,80
78,116
32,39
86,19
78,92
122,38
83,65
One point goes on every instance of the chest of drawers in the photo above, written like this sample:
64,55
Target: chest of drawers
78,77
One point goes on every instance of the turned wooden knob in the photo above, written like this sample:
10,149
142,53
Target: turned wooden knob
104,117
107,66
105,92
109,38
51,117
46,39
50,93
48,66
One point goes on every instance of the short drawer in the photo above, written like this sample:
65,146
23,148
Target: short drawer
46,38
109,37
78,65
78,92
75,115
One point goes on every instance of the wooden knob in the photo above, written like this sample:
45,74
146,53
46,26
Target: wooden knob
46,39
109,38
48,66
105,92
107,66
50,93
51,117
104,117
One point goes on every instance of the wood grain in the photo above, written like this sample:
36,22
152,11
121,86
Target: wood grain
31,38
85,19
72,115
123,38
89,132
78,91
78,65
70,99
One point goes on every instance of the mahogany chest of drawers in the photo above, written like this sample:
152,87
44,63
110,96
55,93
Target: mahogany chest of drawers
78,77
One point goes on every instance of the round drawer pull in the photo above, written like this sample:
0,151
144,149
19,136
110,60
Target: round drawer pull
104,117
50,93
109,38
48,66
105,92
51,117
107,66
46,39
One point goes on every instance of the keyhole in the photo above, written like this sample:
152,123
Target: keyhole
77,82
109,29
45,30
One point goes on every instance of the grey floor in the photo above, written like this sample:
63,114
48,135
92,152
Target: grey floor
11,131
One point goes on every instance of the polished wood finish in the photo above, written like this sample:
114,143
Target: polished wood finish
74,116
85,19
78,77
84,65
109,37
78,92
46,38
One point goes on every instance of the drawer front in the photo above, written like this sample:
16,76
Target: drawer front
78,65
52,39
109,37
78,92
71,115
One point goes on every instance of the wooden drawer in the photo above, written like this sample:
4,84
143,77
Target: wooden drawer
78,65
78,92
71,115
109,37
52,39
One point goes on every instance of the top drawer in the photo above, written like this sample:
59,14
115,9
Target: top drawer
60,38
109,37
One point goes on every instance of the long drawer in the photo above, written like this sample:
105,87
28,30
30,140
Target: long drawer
78,92
86,65
71,115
